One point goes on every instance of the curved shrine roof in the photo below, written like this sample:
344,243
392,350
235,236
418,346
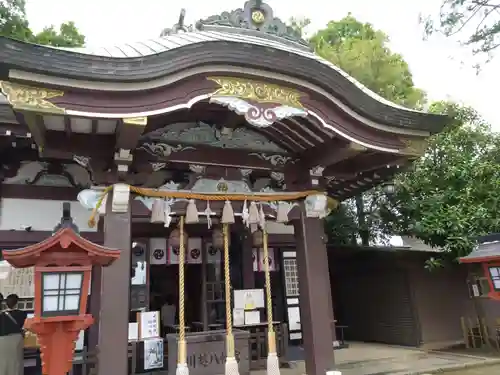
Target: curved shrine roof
166,43
232,39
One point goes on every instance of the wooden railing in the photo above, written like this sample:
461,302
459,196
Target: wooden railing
86,361
259,348
257,344
479,333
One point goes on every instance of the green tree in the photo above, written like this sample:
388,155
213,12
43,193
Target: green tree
451,194
14,24
476,23
363,53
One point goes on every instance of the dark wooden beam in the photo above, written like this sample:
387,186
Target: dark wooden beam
103,146
367,161
39,192
330,154
67,126
206,155
342,189
35,124
129,131
95,124
100,146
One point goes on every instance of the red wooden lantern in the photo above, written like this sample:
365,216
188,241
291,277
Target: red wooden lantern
63,264
488,255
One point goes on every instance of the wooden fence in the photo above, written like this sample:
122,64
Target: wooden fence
479,334
86,362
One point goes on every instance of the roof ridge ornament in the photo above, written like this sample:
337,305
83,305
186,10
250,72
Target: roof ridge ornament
255,16
178,27
66,220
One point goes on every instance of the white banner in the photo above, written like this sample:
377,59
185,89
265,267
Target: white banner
259,261
194,255
213,254
158,251
173,255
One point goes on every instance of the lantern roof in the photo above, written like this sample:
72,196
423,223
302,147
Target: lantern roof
484,252
65,240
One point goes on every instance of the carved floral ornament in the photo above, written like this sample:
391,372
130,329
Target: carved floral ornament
261,103
196,133
163,151
29,98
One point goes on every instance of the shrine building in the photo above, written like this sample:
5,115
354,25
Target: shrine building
231,135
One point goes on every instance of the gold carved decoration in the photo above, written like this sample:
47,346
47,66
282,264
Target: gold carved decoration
138,121
414,147
258,16
29,98
260,92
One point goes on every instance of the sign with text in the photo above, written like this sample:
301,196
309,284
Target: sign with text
149,325
19,281
249,299
206,352
153,353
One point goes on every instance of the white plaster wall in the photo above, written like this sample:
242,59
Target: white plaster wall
41,215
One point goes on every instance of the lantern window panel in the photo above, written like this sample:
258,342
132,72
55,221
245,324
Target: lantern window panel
61,293
495,277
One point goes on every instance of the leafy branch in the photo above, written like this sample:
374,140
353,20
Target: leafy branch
476,23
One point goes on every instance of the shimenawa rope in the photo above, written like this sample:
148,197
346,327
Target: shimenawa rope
154,193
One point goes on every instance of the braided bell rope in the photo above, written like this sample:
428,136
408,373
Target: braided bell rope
231,365
227,285
267,275
273,367
181,357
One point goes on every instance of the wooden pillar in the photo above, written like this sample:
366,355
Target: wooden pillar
247,261
315,294
204,277
115,292
95,307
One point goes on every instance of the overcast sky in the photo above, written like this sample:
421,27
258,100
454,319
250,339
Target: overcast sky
439,66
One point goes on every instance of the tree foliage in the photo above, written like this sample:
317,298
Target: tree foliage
452,194
363,53
14,24
476,23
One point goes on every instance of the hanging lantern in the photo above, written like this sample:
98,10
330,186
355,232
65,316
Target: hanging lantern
218,238
257,238
174,240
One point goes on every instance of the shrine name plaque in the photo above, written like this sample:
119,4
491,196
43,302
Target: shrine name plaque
206,352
